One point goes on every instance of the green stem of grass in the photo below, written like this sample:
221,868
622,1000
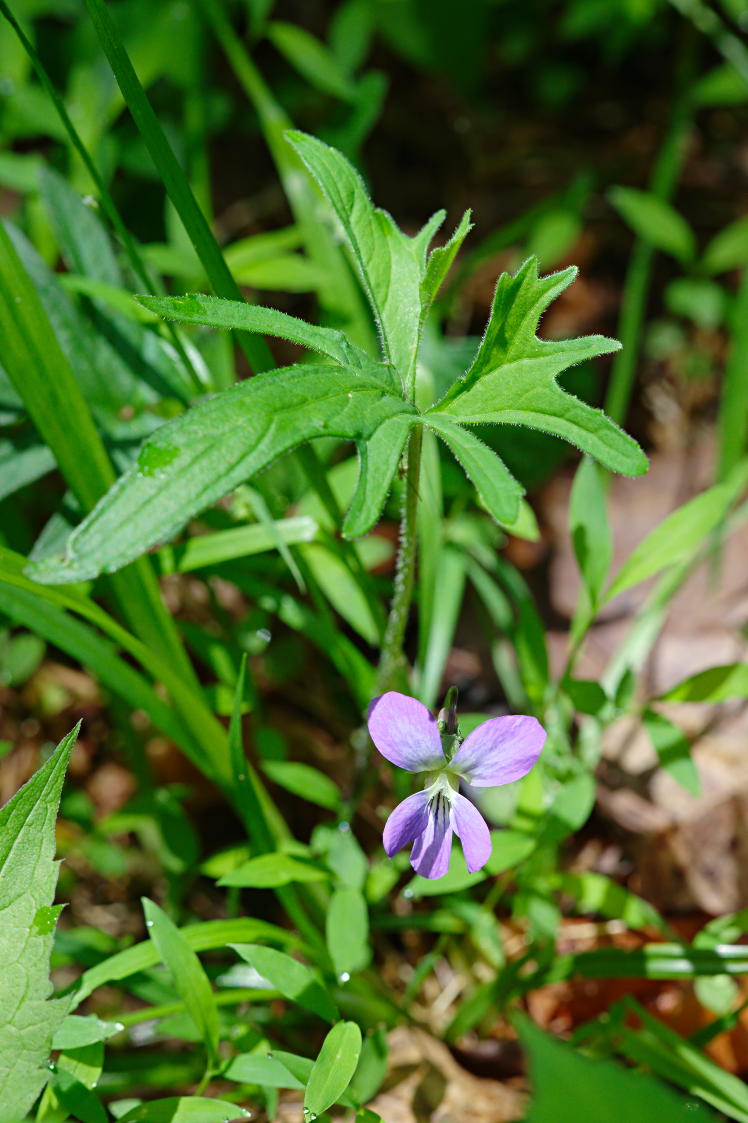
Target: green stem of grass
638,281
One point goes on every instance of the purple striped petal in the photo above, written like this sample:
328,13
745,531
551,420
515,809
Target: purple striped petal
500,750
405,732
432,849
407,822
472,830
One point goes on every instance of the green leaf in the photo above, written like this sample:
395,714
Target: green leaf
313,60
440,262
186,1109
259,1068
236,315
347,931
569,1087
716,684
379,458
596,893
189,978
31,355
170,172
198,457
497,489
342,588
207,550
293,979
76,1031
728,249
303,780
681,534
28,875
372,1067
270,871
76,1098
512,378
200,937
590,530
334,1068
391,265
655,222
674,749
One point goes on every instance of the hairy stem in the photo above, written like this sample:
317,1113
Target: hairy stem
392,660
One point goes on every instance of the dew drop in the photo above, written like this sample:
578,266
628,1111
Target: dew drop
407,893
343,826
149,923
343,977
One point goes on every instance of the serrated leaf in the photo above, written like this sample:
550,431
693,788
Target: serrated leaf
655,221
195,459
512,380
28,875
391,265
293,979
334,1068
187,972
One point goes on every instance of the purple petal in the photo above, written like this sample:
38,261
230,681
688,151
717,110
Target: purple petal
470,827
405,732
407,821
500,750
432,849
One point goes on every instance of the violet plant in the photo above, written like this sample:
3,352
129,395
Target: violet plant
317,957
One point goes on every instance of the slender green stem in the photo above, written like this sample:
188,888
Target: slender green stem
128,243
732,423
636,287
392,660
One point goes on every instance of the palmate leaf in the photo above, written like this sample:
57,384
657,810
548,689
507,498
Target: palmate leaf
28,875
195,459
513,378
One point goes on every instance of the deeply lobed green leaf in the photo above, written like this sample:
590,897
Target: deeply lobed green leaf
513,377
28,875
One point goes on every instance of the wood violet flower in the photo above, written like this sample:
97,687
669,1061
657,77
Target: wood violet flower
499,751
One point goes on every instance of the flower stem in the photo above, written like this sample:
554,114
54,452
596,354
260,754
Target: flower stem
392,661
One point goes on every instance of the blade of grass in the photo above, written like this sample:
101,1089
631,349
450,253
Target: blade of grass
255,349
636,287
195,224
339,295
128,243
39,371
732,422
